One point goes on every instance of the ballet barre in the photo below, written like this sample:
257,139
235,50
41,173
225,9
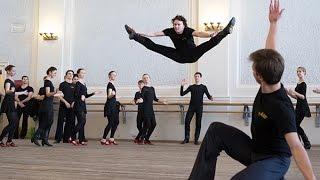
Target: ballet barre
246,112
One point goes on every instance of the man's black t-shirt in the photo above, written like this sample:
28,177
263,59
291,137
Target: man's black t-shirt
272,117
68,92
183,41
24,96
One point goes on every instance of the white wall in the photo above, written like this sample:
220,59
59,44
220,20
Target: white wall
298,39
91,35
101,44
16,47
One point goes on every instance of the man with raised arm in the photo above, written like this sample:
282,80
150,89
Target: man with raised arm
274,135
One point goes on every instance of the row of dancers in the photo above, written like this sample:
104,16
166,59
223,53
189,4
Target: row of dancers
18,103
72,94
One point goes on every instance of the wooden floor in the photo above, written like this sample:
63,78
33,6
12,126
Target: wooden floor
126,161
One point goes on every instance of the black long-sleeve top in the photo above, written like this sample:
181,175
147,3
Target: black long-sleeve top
197,92
148,96
80,89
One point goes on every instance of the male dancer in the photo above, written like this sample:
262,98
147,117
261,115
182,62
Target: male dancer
138,100
195,106
185,50
149,120
274,134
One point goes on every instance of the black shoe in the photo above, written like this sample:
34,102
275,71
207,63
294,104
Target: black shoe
45,142
130,31
307,145
35,141
229,28
56,142
196,142
184,141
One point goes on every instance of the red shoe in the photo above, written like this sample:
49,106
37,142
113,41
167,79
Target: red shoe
2,144
83,143
140,142
113,142
10,144
70,140
75,143
104,142
148,142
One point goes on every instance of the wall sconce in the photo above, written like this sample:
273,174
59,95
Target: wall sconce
48,36
213,27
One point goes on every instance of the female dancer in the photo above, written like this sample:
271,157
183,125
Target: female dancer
8,106
302,109
185,50
65,109
111,111
80,108
46,110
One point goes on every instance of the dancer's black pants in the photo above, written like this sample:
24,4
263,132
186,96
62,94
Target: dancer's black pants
190,55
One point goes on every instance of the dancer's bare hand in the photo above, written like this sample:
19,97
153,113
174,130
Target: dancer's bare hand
97,92
140,100
291,92
317,90
25,92
68,105
21,104
213,34
183,82
274,11
164,101
113,93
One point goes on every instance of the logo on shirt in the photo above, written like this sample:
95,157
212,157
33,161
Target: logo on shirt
263,115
